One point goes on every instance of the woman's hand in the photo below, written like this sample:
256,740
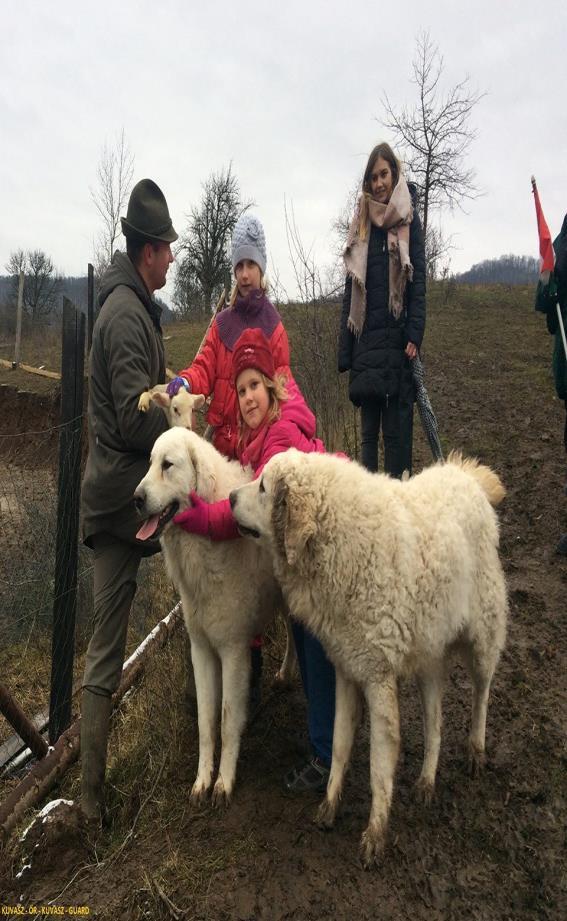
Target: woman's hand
411,350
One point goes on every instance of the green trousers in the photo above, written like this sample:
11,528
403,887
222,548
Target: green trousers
116,564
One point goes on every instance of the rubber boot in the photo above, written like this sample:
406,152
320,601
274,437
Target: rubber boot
95,725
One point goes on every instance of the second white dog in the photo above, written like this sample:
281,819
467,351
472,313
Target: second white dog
392,577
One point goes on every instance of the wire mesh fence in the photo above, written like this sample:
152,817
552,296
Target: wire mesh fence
28,528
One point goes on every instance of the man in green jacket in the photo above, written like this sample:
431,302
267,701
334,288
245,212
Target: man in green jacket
127,357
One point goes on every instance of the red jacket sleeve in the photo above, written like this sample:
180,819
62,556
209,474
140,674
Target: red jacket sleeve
202,373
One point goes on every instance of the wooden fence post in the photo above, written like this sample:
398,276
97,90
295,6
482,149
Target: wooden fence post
67,540
16,360
90,307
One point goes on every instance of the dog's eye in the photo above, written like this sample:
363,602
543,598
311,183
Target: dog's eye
166,465
261,487
176,410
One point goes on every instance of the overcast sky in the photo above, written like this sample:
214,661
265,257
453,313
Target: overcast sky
289,94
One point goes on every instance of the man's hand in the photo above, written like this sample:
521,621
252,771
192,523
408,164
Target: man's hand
195,519
411,350
175,386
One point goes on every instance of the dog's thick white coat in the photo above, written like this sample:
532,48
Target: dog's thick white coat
392,577
228,592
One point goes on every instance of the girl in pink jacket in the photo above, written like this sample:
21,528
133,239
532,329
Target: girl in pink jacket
275,417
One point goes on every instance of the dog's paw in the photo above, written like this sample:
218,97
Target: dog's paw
424,790
372,844
221,796
144,402
199,793
326,814
477,760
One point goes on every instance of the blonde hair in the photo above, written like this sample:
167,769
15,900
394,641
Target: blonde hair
264,285
277,395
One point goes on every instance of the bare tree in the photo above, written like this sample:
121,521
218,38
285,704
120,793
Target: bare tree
42,283
115,172
434,134
341,224
187,294
437,248
204,246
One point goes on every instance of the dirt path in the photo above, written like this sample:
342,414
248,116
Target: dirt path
486,849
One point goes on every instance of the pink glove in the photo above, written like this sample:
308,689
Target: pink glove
195,519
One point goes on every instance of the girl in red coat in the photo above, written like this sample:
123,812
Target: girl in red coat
211,370
274,417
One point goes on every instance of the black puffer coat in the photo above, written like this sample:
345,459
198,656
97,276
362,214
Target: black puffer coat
377,363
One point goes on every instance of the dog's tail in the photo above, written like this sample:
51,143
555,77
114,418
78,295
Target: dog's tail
487,479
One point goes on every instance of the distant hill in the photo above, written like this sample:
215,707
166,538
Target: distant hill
506,270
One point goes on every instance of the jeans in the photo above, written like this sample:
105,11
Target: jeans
318,677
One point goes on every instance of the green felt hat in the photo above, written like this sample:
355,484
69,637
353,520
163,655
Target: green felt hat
148,214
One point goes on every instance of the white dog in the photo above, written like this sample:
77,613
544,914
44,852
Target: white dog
227,588
392,577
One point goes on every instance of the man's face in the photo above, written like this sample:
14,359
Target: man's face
158,261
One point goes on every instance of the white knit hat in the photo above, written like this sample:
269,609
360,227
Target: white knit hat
249,242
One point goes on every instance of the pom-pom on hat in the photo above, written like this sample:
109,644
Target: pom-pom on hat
249,241
252,350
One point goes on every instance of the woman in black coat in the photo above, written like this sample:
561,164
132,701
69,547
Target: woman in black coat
383,315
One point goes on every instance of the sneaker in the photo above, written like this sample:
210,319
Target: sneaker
561,548
309,778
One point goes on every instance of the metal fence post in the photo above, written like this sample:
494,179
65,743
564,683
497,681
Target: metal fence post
67,539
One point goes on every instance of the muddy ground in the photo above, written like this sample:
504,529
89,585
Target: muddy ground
488,848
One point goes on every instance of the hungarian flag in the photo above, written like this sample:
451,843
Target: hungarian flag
545,244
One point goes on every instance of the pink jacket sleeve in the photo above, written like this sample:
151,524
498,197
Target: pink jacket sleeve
222,525
283,435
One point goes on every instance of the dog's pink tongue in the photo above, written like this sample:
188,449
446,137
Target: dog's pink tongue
148,528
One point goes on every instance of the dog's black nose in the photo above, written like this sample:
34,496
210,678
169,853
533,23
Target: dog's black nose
232,499
139,499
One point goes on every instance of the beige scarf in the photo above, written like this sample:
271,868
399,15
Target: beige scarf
395,217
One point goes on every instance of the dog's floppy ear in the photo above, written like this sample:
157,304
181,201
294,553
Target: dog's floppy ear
292,520
162,399
205,479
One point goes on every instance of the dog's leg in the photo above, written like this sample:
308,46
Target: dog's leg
384,748
481,666
430,685
288,668
235,686
348,708
206,669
